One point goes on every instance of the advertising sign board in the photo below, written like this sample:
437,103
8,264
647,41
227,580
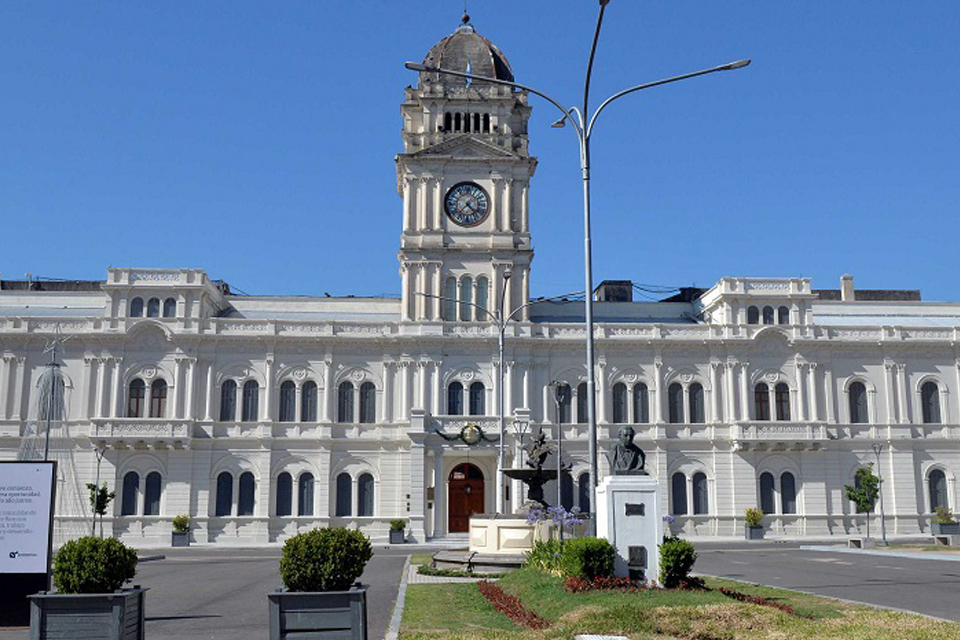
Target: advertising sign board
26,516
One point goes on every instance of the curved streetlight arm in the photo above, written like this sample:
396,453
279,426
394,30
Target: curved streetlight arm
414,66
724,67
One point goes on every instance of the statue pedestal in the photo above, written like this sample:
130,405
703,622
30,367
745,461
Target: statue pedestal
628,515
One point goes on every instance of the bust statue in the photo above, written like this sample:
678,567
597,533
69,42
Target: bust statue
626,458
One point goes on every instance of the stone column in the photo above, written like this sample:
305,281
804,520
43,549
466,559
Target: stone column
888,368
716,393
745,391
87,384
117,392
417,502
436,389
101,388
5,363
657,392
497,204
406,372
407,207
524,208
437,204
388,396
526,385
507,208
210,392
21,401
188,408
439,492
175,394
267,404
421,374
601,392
902,391
325,414
422,211
828,394
814,401
729,389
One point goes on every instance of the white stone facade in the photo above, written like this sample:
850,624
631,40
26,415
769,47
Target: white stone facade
353,391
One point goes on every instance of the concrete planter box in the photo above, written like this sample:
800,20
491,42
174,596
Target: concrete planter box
753,533
861,543
180,539
949,529
95,616
397,537
331,614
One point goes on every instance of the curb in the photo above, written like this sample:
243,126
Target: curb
884,554
394,630
151,558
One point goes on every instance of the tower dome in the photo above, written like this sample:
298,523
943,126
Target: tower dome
467,51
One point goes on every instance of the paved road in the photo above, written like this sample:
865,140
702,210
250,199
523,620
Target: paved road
220,594
925,586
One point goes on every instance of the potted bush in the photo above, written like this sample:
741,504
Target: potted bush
753,524
397,527
944,523
180,536
88,575
321,597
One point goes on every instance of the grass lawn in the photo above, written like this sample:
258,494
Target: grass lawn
435,612
421,558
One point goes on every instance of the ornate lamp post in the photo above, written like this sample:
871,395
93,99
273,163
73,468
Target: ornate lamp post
583,122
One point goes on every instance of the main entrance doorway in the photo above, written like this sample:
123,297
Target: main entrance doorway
466,496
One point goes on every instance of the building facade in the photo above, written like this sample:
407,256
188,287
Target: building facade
264,416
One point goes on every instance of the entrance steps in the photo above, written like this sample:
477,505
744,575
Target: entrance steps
451,541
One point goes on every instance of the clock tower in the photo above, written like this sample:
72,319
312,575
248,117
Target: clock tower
464,177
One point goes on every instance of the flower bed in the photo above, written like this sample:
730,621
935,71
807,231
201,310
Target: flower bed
511,606
621,585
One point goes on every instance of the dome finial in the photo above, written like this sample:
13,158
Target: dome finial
465,18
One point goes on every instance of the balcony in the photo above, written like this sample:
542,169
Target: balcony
142,433
778,436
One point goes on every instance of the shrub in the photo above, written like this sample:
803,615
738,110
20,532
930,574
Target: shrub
944,515
324,559
181,523
93,565
676,560
753,517
545,556
587,558
398,525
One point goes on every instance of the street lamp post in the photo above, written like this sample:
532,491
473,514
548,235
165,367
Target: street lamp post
877,448
583,123
561,395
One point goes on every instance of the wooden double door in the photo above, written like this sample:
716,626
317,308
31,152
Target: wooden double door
465,496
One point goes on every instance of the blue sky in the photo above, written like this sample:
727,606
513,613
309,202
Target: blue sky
256,139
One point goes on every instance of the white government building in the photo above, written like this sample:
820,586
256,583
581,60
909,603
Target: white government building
262,416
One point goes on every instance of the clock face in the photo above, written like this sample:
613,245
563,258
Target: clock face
467,204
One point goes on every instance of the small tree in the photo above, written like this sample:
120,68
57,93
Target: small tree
100,498
864,491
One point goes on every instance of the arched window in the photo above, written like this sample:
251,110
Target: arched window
224,494
678,494
641,404
486,123
619,403
458,122
158,398
344,495
697,404
136,397
447,121
308,402
131,493
305,495
228,401
938,489
783,315
768,315
858,403
583,490
288,401
701,503
284,495
455,399
136,307
478,399
476,123
581,403
566,490
761,401
151,497
169,308
563,393
368,403
767,502
466,298
782,396
753,315
345,402
248,487
448,304
675,403
930,402
788,493
251,401
483,295
365,495
153,308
